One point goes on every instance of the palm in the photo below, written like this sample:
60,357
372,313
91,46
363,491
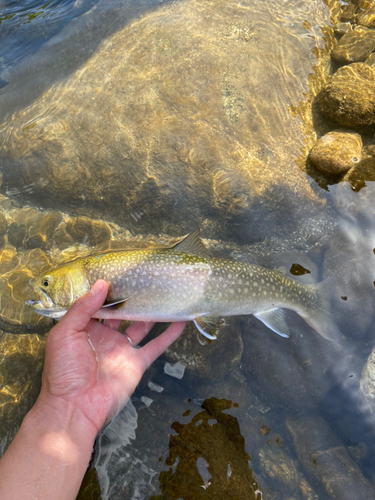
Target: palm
96,367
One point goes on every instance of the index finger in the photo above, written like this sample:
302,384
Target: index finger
83,308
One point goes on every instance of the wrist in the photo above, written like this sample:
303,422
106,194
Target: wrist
62,425
50,453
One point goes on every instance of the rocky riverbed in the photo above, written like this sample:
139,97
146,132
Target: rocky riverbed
181,115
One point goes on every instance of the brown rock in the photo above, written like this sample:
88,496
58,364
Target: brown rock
354,47
336,152
87,231
343,28
178,134
371,60
324,457
349,98
3,224
367,17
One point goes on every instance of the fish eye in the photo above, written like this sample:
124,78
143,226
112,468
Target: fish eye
45,282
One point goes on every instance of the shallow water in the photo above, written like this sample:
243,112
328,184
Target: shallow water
130,123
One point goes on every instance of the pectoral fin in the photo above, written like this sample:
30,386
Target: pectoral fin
275,320
209,326
116,304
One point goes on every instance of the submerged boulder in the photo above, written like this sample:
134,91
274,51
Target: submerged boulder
163,134
355,46
336,152
349,98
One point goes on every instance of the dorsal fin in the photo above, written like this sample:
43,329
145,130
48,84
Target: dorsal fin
191,244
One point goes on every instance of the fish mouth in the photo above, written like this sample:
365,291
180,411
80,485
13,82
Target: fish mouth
45,298
54,312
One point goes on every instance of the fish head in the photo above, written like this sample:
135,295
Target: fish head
60,287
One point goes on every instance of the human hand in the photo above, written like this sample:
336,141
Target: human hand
91,366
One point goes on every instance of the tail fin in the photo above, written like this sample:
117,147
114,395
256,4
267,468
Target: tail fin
320,317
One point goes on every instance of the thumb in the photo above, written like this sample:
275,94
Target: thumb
83,308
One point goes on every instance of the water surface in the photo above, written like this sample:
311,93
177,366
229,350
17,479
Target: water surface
132,123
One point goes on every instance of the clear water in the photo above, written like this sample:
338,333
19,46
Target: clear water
126,123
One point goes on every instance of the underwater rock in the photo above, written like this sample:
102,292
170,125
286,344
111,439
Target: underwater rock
371,60
366,17
350,261
16,269
354,47
292,373
16,234
32,228
367,389
85,230
177,135
208,360
326,459
336,152
343,28
360,175
349,97
21,363
279,468
347,13
3,224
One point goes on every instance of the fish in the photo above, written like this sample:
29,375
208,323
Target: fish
183,282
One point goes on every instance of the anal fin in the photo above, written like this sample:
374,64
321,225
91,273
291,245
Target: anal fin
209,326
275,320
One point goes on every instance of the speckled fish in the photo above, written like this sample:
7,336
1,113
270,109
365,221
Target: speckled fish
183,283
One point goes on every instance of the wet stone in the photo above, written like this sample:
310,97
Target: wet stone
3,224
371,60
21,362
336,152
87,231
360,175
324,457
41,231
62,238
32,228
103,151
350,261
16,234
349,97
280,468
16,269
343,28
208,360
347,13
354,47
367,17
